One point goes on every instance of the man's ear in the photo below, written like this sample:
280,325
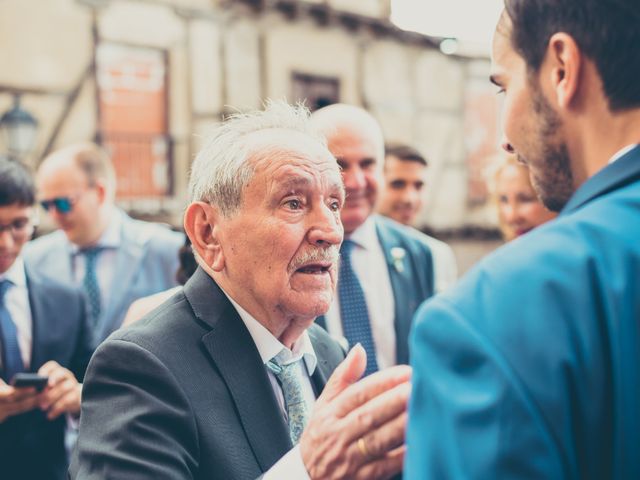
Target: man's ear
202,225
101,191
564,68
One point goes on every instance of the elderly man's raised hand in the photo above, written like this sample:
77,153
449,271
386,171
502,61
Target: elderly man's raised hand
357,429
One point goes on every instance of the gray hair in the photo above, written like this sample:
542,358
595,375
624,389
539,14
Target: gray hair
223,168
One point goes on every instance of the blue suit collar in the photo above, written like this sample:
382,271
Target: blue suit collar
623,171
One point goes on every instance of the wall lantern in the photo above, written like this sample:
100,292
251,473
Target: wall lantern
18,129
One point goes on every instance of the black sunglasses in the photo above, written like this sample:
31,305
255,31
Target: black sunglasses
62,204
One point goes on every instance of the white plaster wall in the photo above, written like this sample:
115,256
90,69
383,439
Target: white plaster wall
440,139
371,8
325,52
242,65
206,67
43,43
144,24
439,81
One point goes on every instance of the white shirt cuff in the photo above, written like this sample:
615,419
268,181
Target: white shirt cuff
289,466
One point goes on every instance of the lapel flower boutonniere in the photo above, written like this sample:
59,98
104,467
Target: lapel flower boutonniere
398,254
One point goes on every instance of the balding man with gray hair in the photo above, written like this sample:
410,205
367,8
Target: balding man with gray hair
386,268
230,379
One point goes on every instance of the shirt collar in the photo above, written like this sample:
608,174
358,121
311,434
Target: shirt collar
365,235
16,274
269,346
111,237
621,153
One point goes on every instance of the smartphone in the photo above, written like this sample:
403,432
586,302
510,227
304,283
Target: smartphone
25,380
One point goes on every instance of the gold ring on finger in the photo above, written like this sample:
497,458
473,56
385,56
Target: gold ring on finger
362,446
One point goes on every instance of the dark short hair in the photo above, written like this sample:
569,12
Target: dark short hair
404,153
606,31
16,184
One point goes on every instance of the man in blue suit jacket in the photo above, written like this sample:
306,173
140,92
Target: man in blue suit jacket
114,258
42,329
390,264
530,368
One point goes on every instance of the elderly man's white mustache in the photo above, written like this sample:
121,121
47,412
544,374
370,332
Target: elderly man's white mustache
325,257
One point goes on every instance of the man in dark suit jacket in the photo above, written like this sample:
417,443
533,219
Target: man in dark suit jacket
42,329
392,264
220,381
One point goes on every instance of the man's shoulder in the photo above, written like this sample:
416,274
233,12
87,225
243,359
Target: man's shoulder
162,323
53,293
35,279
48,244
150,233
553,273
389,229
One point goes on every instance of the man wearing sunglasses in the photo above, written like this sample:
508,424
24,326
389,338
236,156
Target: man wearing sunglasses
114,258
42,330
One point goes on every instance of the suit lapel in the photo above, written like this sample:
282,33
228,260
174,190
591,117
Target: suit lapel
399,268
236,357
322,321
323,369
130,254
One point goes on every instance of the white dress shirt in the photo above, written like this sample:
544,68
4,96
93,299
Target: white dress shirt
291,464
622,152
370,265
17,303
110,241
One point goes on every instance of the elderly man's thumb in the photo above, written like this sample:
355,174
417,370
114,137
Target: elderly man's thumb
347,373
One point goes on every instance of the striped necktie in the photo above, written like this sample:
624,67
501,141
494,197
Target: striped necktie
353,308
12,359
289,376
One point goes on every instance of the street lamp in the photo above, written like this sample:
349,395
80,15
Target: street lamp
18,128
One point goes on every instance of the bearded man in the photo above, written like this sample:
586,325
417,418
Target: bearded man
530,368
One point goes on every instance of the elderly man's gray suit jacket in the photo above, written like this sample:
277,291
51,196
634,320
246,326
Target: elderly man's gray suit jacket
183,394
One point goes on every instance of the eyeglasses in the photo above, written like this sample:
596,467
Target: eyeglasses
61,204
20,228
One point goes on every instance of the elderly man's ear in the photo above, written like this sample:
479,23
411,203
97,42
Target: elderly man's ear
202,225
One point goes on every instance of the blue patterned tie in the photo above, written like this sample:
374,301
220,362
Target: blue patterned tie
353,308
90,282
290,378
10,347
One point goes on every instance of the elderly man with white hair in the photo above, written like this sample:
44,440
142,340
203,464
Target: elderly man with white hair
230,379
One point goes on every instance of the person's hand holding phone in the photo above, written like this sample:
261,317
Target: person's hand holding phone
62,393
14,401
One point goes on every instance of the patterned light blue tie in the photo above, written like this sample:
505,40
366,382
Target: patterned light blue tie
90,282
289,376
10,347
353,308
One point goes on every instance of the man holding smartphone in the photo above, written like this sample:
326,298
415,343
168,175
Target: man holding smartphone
44,346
